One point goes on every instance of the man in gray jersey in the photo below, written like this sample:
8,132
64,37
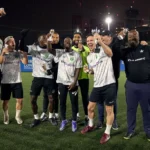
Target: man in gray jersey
42,61
104,90
11,81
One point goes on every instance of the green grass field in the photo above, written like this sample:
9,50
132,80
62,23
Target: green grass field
48,137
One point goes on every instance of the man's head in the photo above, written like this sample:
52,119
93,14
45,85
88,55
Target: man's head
67,43
77,38
55,38
91,42
133,38
42,40
106,36
10,42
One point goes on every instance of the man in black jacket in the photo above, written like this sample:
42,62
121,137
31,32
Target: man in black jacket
137,68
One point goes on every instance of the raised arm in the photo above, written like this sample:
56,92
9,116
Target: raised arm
106,48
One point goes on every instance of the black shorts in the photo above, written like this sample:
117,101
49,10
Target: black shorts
15,88
103,94
39,83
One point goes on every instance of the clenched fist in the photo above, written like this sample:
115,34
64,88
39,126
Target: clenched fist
2,12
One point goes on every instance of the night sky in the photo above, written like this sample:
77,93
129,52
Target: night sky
46,14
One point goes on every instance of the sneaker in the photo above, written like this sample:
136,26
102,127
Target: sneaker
35,123
104,138
53,121
128,136
74,126
19,120
87,129
63,125
43,117
148,137
6,120
99,125
115,125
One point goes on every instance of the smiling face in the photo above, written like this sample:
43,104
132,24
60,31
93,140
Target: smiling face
91,43
77,38
55,38
11,44
67,43
42,40
106,39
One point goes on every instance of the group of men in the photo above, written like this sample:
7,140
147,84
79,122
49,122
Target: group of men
60,70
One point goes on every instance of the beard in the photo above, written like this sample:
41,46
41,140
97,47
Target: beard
133,43
75,43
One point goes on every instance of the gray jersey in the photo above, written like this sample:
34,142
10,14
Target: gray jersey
11,68
68,62
102,67
40,57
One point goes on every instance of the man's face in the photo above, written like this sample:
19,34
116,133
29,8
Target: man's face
67,43
11,44
42,40
77,38
91,43
133,38
106,39
55,38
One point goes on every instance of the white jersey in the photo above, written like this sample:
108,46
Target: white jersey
68,62
40,57
11,68
102,67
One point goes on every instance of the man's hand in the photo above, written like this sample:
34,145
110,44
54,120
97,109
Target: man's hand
4,51
99,39
44,68
80,45
2,12
22,52
85,68
71,86
143,43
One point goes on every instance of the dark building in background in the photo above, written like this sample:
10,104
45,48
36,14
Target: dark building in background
132,20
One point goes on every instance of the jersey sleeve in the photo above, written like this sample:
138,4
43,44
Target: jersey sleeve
32,50
79,61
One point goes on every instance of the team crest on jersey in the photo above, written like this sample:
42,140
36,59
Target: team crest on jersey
71,58
46,55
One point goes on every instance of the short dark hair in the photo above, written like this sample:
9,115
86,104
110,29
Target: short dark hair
77,32
56,33
106,32
90,34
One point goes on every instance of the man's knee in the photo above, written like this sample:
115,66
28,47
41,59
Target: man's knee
33,100
91,107
109,110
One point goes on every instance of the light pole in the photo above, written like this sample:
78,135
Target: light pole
108,20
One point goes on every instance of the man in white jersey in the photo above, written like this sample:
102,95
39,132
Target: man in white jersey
42,61
104,90
69,64
11,80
